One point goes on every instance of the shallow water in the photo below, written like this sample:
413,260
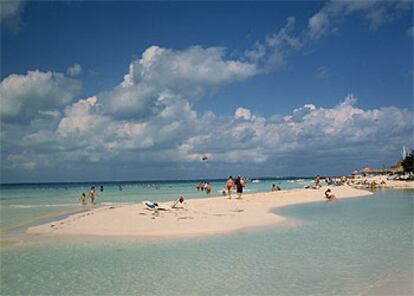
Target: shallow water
359,246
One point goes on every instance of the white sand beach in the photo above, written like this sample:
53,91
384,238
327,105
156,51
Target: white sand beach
196,217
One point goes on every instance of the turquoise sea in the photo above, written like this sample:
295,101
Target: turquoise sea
361,246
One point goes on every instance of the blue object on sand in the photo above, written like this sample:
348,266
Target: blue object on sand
152,206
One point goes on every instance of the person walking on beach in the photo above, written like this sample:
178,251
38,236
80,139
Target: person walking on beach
229,185
239,185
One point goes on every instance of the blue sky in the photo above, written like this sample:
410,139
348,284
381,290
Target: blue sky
260,87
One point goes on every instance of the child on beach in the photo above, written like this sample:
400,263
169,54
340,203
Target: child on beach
83,199
329,195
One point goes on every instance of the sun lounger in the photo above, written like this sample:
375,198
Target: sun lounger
154,206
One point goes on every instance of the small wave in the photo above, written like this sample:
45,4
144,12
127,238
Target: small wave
42,206
115,203
108,203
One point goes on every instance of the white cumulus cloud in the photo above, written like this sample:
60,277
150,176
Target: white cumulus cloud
80,118
242,113
164,74
23,97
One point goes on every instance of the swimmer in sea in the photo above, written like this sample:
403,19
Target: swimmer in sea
208,188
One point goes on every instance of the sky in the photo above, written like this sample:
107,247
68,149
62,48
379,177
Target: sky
143,90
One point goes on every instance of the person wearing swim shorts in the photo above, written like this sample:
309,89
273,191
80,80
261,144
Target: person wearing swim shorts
239,185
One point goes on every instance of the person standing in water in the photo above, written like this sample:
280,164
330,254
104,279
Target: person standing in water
317,180
92,195
208,188
83,199
229,185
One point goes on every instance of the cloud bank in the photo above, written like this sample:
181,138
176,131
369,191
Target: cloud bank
49,129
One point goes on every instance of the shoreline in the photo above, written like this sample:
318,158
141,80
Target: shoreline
197,217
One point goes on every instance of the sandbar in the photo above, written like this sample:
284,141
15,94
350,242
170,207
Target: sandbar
196,217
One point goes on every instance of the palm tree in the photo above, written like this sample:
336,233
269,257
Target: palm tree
408,162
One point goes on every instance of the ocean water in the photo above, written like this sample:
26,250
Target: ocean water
361,246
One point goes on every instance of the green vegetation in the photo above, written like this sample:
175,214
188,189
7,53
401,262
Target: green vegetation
408,161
